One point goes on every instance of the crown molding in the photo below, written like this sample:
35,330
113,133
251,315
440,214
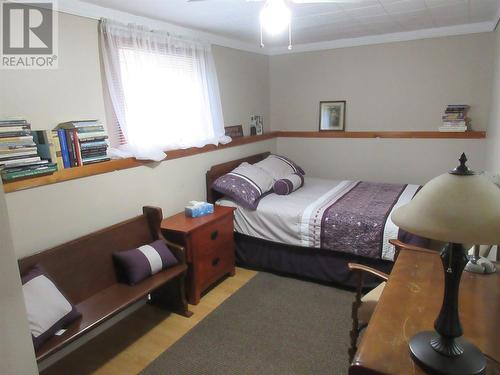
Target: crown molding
83,9
437,32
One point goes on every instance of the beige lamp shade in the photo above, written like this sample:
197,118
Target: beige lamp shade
454,208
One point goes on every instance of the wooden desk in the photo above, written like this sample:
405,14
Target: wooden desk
411,302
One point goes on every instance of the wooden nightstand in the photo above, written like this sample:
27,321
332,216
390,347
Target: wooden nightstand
209,245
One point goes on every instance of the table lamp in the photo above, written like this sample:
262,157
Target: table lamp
457,208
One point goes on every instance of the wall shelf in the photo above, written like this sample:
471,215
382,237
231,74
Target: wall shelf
384,134
116,165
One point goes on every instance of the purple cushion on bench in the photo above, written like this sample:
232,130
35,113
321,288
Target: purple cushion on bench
138,264
48,309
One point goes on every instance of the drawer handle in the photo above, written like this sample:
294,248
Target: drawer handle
214,234
215,262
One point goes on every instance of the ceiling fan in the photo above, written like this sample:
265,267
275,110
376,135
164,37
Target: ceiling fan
276,17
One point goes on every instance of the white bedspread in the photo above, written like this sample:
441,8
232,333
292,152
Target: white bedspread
287,218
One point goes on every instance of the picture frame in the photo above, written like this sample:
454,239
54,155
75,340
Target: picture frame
235,131
332,115
257,125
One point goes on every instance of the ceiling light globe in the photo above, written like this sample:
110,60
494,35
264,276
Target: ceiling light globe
275,17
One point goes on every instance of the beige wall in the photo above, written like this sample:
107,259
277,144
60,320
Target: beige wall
16,347
385,160
244,86
493,156
52,214
395,86
49,215
74,91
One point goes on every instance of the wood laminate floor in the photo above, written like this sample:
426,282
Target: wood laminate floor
134,342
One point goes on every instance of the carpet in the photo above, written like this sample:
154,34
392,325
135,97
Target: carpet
272,325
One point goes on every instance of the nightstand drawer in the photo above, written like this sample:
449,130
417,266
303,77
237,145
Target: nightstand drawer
212,236
215,263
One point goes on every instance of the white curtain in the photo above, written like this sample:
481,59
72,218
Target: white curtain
163,88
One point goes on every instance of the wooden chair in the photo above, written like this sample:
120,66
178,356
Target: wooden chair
364,305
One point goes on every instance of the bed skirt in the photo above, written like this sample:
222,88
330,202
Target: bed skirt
325,266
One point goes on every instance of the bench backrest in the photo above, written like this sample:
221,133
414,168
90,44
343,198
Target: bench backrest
84,266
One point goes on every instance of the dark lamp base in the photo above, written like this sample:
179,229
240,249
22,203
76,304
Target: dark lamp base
470,362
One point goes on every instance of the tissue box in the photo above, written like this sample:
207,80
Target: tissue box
197,209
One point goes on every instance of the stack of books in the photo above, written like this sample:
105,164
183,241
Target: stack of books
19,156
80,143
455,118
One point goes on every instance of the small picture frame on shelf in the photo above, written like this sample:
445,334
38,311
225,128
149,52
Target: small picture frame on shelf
332,115
235,131
257,125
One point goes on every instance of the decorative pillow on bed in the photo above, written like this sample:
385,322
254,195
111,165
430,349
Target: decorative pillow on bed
48,310
246,185
289,184
279,166
138,264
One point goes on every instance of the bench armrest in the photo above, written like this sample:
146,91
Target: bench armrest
177,250
155,216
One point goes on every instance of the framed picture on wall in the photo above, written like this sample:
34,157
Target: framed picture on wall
332,115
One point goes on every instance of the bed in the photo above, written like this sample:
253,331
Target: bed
315,231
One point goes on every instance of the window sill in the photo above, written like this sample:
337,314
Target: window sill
116,165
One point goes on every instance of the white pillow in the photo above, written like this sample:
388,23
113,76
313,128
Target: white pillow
279,166
48,310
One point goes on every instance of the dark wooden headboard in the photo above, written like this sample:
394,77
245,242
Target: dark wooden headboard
221,169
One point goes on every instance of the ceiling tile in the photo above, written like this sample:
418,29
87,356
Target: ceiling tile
404,6
373,10
239,19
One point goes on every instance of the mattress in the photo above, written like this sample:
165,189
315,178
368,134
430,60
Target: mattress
328,214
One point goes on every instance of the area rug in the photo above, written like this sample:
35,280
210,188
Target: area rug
272,325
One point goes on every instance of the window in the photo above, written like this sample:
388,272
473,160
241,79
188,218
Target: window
164,90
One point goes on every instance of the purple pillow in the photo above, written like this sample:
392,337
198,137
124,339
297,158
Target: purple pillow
47,308
289,184
147,260
246,185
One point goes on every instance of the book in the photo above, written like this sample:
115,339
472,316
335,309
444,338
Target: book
71,147
45,146
84,136
20,128
94,151
14,174
459,129
20,161
89,144
455,123
94,160
26,138
26,165
64,148
77,124
54,139
78,154
10,122
91,129
17,150
93,139
17,156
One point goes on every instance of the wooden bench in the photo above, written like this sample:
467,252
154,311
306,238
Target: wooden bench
83,270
